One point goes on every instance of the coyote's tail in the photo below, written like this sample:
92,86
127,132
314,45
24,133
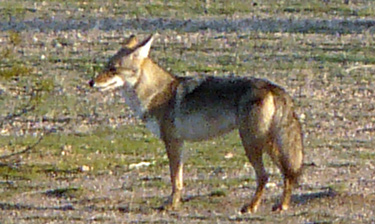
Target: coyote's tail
287,135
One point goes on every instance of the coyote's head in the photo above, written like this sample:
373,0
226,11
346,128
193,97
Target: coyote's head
124,67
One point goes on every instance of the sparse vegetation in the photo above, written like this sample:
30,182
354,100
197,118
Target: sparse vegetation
99,164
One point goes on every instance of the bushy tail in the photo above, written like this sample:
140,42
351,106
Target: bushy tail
287,135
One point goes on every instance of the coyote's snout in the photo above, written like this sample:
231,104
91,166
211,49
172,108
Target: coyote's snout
196,108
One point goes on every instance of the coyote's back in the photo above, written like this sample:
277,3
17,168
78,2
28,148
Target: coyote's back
197,108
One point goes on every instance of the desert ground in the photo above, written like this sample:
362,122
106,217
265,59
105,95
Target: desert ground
71,154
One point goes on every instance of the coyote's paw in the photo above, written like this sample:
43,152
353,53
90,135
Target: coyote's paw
170,205
280,208
248,208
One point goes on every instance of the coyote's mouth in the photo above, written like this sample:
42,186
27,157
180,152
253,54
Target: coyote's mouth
107,87
111,84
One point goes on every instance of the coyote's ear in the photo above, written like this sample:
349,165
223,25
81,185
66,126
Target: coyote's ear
143,49
131,42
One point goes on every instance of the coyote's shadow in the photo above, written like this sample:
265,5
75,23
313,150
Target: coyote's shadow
300,199
18,206
308,197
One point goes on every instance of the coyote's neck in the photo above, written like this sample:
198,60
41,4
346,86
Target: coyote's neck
153,88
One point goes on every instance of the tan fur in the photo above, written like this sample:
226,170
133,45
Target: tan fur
176,109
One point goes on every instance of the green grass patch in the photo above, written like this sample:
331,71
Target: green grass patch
366,155
345,58
218,193
102,150
319,8
15,71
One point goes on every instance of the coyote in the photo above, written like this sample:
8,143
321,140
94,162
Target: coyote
202,107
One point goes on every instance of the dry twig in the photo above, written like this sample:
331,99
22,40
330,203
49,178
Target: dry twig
28,148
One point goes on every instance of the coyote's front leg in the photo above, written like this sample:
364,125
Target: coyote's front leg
174,153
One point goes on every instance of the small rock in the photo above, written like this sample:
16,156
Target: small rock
85,168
